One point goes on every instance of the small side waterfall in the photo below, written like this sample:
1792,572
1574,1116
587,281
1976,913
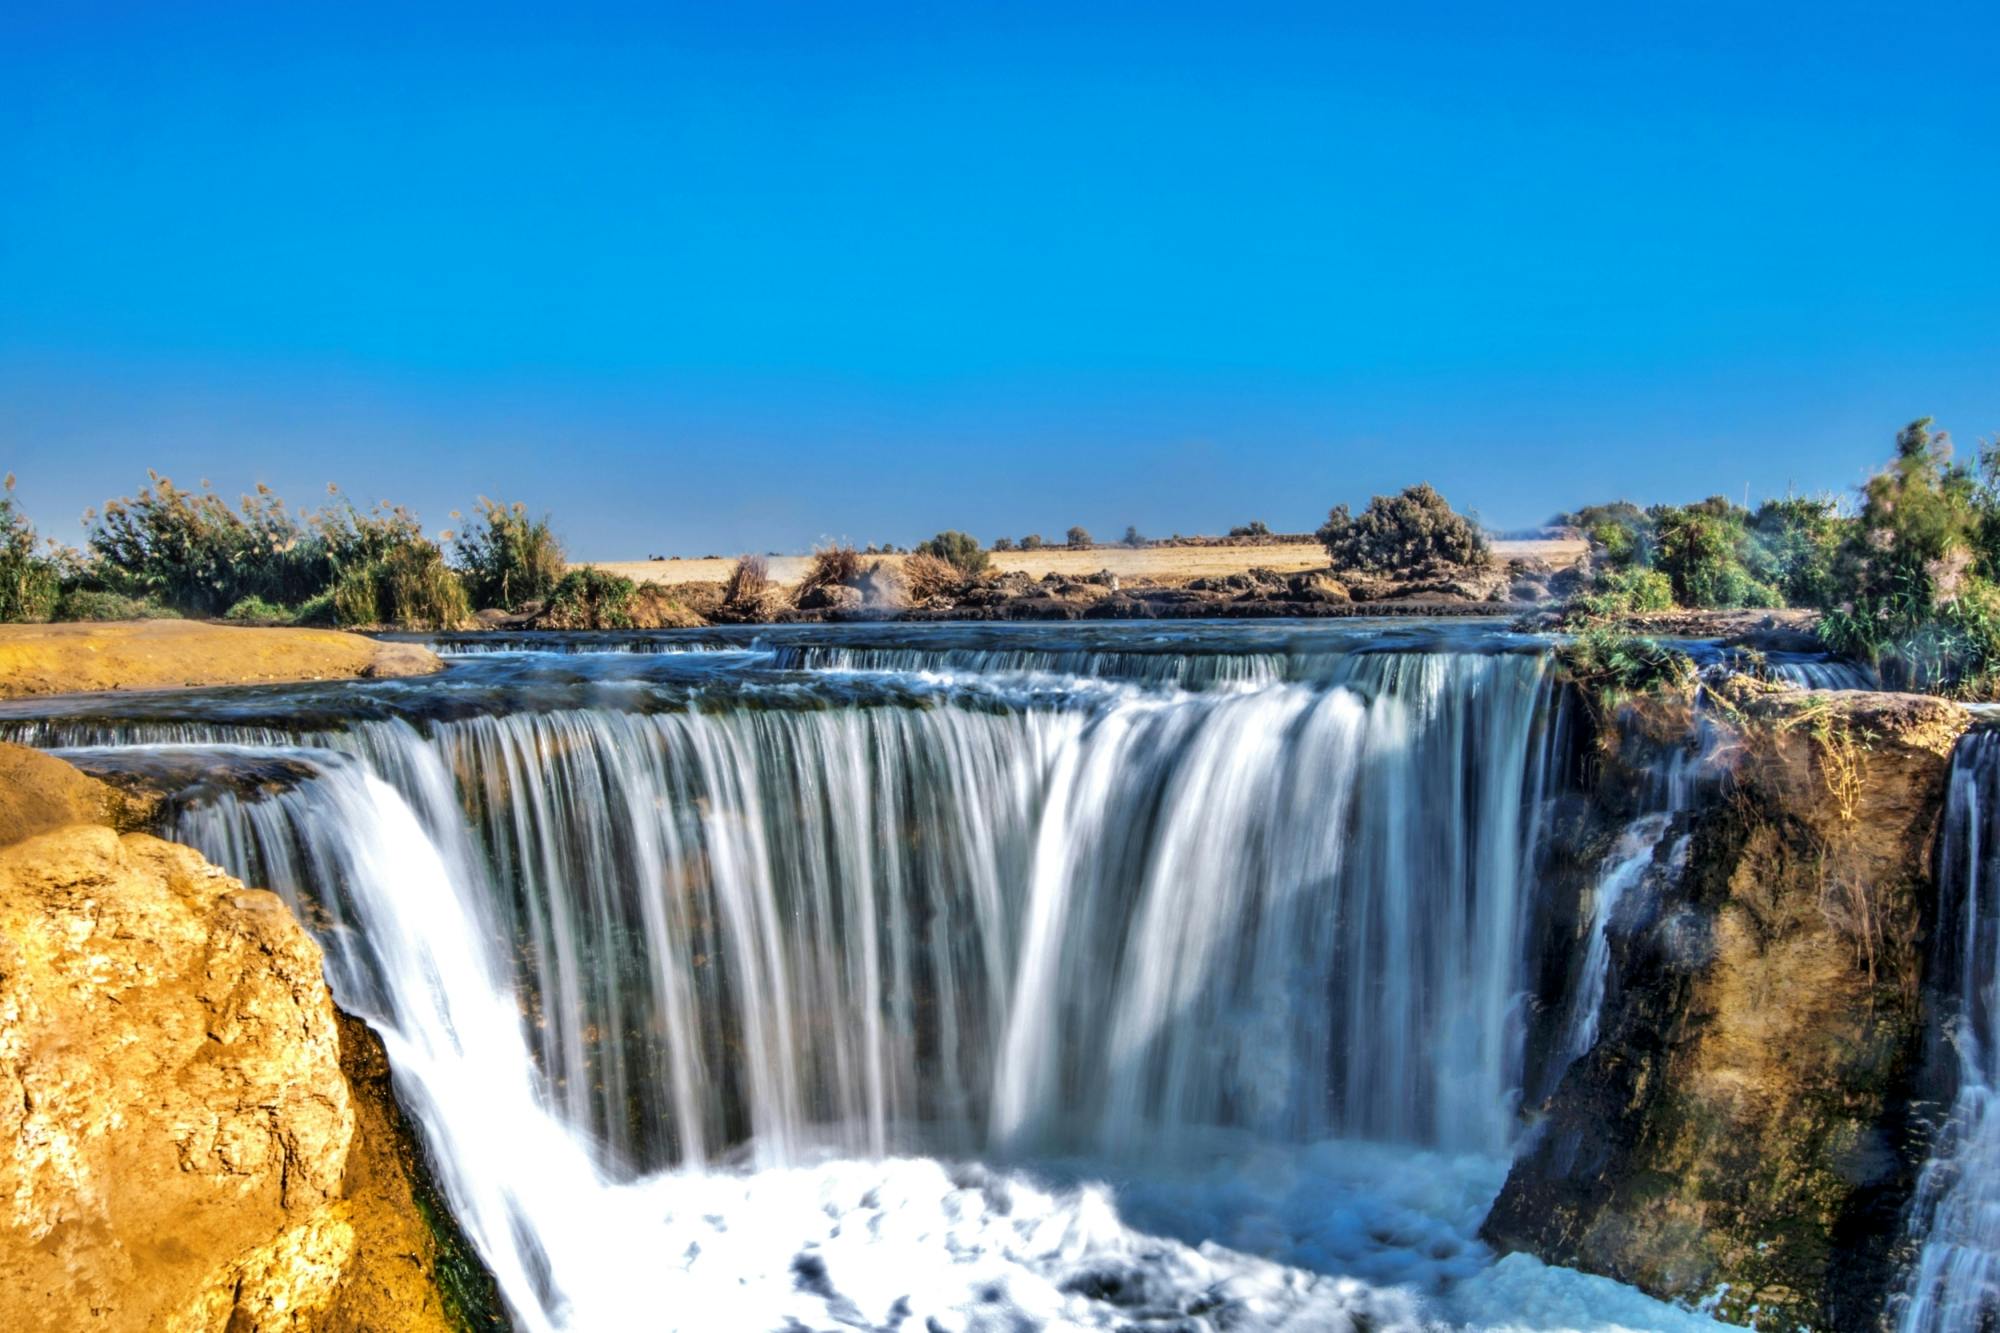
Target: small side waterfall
1954,1286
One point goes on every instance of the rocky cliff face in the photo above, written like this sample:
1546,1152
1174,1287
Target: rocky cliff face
1739,1134
189,1138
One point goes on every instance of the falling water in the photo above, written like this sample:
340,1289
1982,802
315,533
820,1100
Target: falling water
1954,1286
687,983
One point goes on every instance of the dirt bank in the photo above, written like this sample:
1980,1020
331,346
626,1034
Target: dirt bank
166,654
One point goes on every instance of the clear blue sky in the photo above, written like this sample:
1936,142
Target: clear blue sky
737,276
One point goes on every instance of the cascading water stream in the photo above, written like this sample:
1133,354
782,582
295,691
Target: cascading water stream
640,972
1954,1285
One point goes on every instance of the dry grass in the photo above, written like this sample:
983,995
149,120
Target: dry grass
830,565
749,593
926,576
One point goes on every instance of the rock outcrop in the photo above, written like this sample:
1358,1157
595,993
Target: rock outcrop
1739,1135
167,654
189,1139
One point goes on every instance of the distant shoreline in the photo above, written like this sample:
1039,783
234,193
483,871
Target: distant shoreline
1164,563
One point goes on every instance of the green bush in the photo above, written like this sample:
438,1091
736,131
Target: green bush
509,559
356,597
30,582
257,611
420,591
1624,592
195,552
1613,664
98,604
1716,554
590,598
1794,547
1705,550
1915,576
317,610
1402,532
960,550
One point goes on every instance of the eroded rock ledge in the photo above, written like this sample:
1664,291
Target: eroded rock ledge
190,1138
168,654
1742,1133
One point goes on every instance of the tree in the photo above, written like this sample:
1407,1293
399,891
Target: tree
1254,528
1402,532
1132,537
1079,536
1796,542
1032,542
1914,587
1701,549
960,550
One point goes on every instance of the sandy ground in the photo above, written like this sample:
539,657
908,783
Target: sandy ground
164,654
1167,564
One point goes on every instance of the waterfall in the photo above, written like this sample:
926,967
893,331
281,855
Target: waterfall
1294,910
1823,673
1954,1284
696,980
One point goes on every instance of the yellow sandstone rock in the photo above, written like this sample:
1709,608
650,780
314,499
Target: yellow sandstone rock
169,654
179,1144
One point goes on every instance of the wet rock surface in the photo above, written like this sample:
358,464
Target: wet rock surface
1741,1133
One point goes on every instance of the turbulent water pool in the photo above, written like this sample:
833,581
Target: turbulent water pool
938,978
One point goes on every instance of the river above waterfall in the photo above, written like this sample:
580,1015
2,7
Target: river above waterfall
936,977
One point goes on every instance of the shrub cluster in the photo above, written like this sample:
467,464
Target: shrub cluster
509,559
1908,581
1716,554
30,580
837,563
1917,582
1611,664
960,550
170,551
590,598
1402,532
927,576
